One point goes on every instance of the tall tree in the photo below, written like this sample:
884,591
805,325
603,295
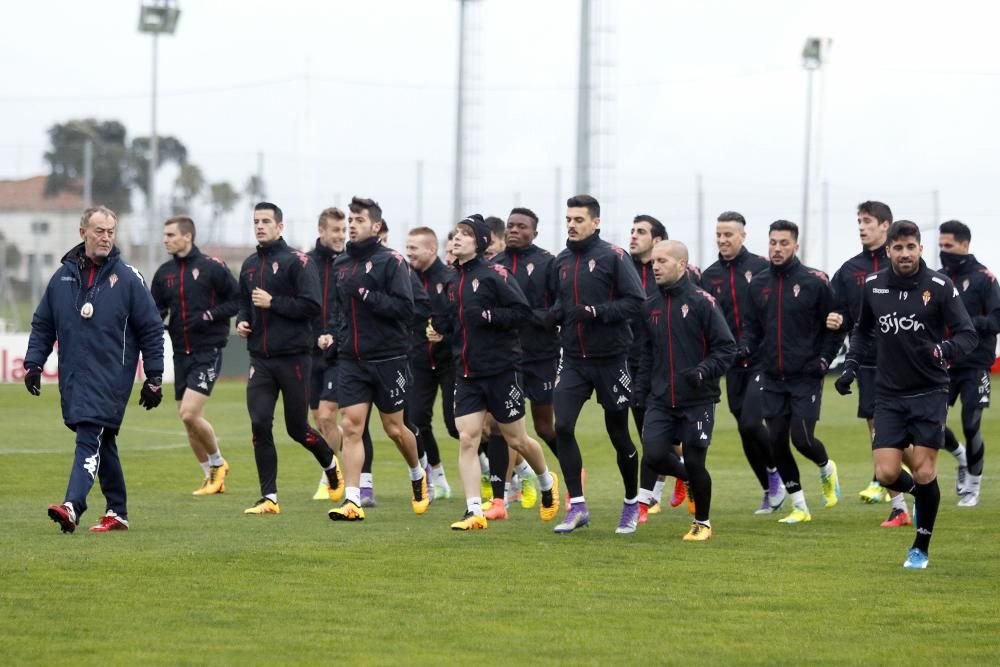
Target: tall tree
111,161
188,185
168,149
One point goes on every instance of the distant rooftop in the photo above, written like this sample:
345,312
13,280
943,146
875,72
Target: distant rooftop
28,194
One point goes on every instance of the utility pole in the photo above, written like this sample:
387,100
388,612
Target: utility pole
700,218
583,104
419,217
88,172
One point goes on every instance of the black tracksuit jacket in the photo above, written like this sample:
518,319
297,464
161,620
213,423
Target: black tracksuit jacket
785,320
286,327
531,267
907,317
322,259
980,294
483,347
185,288
595,273
847,283
377,326
435,281
685,329
728,280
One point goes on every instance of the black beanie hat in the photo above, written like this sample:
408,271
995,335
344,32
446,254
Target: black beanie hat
480,230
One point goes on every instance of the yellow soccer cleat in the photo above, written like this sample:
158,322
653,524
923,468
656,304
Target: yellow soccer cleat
551,497
323,490
698,533
200,491
335,487
470,522
831,486
216,481
347,512
529,491
689,498
873,493
797,515
263,506
655,508
421,499
485,488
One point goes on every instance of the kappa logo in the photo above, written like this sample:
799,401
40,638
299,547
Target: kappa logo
880,290
530,268
621,399
90,465
703,436
514,412
954,291
69,279
203,385
195,273
274,267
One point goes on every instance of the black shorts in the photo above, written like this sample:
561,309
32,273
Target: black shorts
539,379
866,392
609,377
197,371
690,426
322,381
501,395
744,392
973,385
904,420
383,383
799,398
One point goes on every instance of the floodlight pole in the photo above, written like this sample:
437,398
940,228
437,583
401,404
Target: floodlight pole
153,160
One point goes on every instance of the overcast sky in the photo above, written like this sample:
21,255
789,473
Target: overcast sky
345,98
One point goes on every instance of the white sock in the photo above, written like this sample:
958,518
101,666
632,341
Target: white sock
508,493
826,469
706,523
333,464
545,481
437,474
366,480
206,468
216,458
484,464
423,461
353,494
645,497
771,471
475,505
799,501
632,500
959,455
578,499
416,474
523,469
273,497
899,502
657,493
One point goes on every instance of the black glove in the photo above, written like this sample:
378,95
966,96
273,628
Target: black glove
152,392
693,377
200,321
475,317
356,285
33,379
742,356
816,368
943,352
578,313
846,379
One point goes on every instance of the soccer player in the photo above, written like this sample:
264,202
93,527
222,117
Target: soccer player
332,229
970,376
785,323
687,347
374,305
874,219
498,238
728,280
908,310
598,294
97,308
200,296
279,296
485,306
430,356
531,268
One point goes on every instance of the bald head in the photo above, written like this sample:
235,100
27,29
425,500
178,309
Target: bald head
670,259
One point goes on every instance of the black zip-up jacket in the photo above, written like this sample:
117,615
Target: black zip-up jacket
485,308
685,329
785,320
374,302
595,273
847,283
908,318
185,288
435,281
728,280
285,328
323,323
648,282
421,312
980,294
532,269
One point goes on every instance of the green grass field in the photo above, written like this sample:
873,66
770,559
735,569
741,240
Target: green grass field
196,582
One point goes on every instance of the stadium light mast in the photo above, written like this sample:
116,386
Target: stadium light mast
814,52
155,17
466,146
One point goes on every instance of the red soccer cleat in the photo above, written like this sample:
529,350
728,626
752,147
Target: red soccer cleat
109,522
679,494
897,519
